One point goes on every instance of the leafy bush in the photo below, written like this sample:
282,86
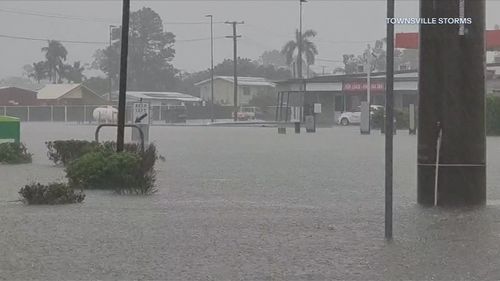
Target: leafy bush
493,116
53,193
125,172
14,153
65,151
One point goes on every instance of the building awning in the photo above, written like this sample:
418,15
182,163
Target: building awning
410,40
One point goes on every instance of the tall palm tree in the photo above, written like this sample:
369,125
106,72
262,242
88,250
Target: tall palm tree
56,54
309,49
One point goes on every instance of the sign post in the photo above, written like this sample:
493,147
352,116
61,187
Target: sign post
141,117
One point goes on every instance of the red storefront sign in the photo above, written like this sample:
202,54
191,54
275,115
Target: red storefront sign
362,86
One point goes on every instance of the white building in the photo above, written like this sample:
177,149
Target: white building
248,87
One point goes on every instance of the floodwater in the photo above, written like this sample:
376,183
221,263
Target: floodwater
248,204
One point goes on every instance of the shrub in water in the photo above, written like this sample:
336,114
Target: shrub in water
65,151
125,172
53,193
14,153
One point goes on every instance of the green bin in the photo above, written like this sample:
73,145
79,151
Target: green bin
10,129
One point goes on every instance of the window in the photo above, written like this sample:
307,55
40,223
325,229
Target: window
246,91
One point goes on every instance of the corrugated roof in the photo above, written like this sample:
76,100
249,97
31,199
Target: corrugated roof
55,91
136,95
242,81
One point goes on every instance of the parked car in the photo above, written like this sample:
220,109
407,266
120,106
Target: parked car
354,117
247,113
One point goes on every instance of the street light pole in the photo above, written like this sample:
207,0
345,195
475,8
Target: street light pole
109,61
368,65
211,67
389,122
299,48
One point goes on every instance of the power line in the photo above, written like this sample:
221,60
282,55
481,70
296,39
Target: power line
57,16
88,19
45,40
96,42
199,39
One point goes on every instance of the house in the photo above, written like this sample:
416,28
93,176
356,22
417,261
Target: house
69,94
248,87
11,96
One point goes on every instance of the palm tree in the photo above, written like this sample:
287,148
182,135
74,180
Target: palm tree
308,48
55,53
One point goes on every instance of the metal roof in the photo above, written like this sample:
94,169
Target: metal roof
242,81
55,91
137,95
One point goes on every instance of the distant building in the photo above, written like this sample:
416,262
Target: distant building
69,94
11,96
248,87
159,98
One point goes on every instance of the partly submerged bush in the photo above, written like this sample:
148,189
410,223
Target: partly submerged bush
65,151
52,193
125,172
14,153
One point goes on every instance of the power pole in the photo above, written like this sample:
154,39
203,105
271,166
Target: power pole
235,63
123,77
451,128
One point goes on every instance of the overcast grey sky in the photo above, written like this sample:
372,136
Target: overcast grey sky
342,26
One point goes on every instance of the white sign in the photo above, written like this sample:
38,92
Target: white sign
141,113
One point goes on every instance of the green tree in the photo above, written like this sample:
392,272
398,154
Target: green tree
308,48
151,50
73,73
97,84
55,54
39,71
274,58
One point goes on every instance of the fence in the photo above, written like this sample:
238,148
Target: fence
83,113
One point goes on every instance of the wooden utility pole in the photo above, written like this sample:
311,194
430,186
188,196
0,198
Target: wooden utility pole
451,127
123,77
235,63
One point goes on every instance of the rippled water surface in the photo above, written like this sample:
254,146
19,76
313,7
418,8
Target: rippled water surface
248,204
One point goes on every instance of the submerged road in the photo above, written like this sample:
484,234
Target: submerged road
248,204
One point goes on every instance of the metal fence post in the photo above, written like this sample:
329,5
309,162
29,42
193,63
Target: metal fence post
84,114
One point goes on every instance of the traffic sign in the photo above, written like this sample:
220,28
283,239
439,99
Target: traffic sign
141,113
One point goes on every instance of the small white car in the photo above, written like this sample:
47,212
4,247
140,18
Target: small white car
354,117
